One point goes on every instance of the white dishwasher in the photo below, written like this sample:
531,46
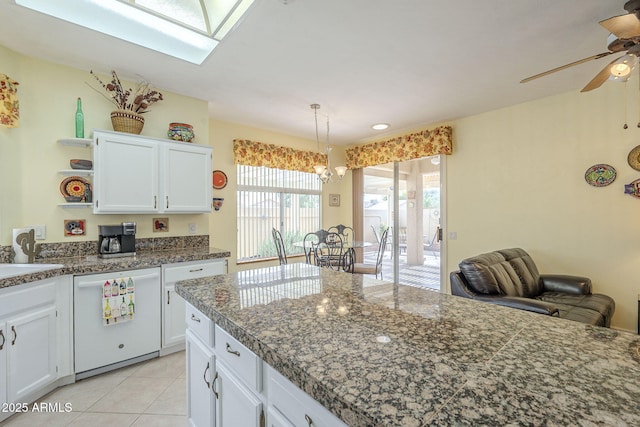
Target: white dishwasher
101,345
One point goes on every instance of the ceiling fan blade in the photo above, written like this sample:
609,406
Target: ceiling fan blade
623,26
546,73
600,78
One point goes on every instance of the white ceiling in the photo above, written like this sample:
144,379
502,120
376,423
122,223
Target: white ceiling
411,63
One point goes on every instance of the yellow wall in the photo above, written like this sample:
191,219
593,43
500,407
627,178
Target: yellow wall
516,179
30,157
222,225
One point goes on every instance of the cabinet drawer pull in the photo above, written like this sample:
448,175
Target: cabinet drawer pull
213,385
204,376
196,270
194,318
308,419
3,339
15,335
232,351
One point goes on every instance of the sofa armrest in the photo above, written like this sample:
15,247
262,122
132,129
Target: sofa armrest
521,303
566,284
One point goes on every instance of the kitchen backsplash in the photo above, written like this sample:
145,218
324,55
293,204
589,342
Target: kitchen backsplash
73,249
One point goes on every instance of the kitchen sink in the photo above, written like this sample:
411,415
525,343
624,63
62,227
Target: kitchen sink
11,270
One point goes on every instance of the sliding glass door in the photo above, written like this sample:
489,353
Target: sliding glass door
405,197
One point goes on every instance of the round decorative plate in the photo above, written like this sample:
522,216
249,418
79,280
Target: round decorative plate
600,175
73,186
634,158
219,180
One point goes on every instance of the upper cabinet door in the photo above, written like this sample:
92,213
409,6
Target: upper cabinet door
125,174
186,178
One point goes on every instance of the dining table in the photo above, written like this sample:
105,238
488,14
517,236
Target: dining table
349,246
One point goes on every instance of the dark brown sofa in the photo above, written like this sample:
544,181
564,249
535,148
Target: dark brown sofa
509,277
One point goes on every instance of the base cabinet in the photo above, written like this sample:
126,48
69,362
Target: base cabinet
228,382
236,404
173,306
200,374
28,341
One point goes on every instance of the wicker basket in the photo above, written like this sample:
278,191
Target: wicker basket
127,121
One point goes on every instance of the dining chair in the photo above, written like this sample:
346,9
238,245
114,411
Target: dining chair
344,231
310,241
277,240
363,268
329,253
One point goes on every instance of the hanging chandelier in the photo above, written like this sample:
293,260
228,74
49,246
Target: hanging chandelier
324,171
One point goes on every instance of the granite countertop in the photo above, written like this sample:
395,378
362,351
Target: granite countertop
93,264
379,354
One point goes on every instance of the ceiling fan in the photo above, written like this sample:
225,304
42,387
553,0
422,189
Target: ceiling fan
625,36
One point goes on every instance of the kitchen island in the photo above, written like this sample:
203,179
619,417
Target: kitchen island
374,353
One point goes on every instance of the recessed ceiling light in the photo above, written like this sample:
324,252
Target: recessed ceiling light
380,126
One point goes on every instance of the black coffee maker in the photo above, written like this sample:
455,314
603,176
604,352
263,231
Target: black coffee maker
117,240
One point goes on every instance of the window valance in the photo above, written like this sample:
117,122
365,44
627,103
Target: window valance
251,153
412,146
9,112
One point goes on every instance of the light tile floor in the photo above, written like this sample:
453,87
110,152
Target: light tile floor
150,393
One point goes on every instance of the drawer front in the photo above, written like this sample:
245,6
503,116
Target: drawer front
200,324
245,363
297,407
194,270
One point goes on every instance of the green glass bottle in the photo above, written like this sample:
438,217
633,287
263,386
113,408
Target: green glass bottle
79,120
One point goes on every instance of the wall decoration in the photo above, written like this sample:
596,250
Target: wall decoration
160,225
9,105
633,188
217,203
334,200
74,227
219,179
634,158
600,175
73,188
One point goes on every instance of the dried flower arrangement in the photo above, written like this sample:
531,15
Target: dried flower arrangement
137,101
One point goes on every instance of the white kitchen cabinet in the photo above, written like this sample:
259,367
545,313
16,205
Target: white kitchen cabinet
31,352
236,404
218,363
135,174
173,306
186,178
125,176
28,337
200,374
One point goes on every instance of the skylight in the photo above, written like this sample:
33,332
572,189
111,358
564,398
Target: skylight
185,29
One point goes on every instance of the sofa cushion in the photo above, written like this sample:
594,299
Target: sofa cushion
509,272
571,305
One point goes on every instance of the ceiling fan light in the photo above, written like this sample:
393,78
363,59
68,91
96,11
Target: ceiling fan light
621,69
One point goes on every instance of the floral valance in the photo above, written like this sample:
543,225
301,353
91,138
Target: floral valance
9,112
253,153
412,146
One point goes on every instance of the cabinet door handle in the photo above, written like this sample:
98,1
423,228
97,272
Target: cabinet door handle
308,419
168,298
194,318
195,270
15,335
204,376
155,202
232,351
3,339
167,201
213,385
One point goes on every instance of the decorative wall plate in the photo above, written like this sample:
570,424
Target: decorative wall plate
600,175
633,188
73,186
219,179
634,158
